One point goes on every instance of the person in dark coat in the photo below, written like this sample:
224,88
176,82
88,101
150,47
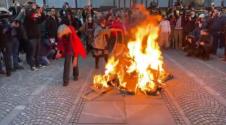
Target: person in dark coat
5,46
216,31
190,45
204,45
15,44
224,31
52,24
192,38
64,9
51,27
34,17
189,25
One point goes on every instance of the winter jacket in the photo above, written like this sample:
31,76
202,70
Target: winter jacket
216,25
51,27
32,25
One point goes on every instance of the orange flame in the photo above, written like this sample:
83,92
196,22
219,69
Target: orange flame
141,63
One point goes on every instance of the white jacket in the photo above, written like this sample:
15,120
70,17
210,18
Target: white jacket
165,26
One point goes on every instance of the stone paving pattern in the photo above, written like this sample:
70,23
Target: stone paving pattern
200,107
38,98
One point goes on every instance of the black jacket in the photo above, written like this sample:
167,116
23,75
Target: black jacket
32,24
5,34
51,27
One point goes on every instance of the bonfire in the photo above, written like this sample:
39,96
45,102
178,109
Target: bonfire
136,65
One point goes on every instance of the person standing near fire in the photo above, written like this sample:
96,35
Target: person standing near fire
178,30
70,47
88,19
34,17
165,30
100,43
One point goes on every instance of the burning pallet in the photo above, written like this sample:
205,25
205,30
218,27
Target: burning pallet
135,65
97,91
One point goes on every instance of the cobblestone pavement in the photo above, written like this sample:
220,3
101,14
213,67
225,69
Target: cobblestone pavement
29,98
198,88
196,96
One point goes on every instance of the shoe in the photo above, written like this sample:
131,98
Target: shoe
65,84
43,66
40,66
34,68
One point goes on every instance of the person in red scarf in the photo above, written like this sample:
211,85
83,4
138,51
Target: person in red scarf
69,47
117,23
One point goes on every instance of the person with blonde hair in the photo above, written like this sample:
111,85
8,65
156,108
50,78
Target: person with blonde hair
69,47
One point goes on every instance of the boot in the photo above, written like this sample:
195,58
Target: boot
65,83
75,73
97,62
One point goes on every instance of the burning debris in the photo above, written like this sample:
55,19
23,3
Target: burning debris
137,64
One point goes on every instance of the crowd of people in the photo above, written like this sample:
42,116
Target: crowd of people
34,32
198,33
31,35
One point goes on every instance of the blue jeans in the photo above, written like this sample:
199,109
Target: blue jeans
44,61
15,51
34,52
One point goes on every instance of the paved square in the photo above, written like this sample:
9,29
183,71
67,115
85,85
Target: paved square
100,112
196,96
148,114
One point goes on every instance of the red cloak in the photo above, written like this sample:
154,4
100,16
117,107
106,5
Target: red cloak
75,42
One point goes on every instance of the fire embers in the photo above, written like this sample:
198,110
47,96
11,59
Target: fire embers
136,65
